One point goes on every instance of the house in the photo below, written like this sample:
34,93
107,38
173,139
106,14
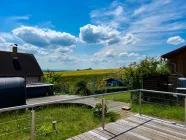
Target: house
14,64
114,82
178,60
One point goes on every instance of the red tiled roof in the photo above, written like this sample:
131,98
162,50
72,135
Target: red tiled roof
174,52
27,62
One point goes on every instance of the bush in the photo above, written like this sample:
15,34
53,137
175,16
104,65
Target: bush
54,78
81,88
113,116
150,66
97,110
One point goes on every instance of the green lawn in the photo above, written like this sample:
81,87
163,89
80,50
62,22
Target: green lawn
123,97
71,121
161,111
164,112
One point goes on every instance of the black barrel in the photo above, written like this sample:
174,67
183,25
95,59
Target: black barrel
12,92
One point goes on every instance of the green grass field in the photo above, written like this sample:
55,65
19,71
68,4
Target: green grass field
71,121
173,113
161,111
123,97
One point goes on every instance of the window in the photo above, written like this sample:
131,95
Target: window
16,63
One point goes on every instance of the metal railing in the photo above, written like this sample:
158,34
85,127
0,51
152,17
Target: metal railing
161,92
32,106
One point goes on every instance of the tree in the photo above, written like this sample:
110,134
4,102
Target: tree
135,72
81,88
54,78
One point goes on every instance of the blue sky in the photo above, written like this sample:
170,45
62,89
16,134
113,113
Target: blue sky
93,33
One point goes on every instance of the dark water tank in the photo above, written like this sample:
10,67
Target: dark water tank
12,92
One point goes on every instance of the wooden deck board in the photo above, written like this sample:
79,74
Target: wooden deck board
151,133
136,128
166,129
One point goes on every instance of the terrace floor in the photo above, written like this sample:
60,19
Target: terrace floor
136,128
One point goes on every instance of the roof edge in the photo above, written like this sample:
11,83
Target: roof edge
174,52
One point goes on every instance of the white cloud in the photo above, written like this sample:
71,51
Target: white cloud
110,53
149,21
130,39
111,16
25,17
124,54
113,10
7,36
105,35
175,40
99,60
65,59
27,48
154,5
118,11
99,34
2,40
63,50
44,37
133,54
139,10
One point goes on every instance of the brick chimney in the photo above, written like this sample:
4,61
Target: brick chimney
14,50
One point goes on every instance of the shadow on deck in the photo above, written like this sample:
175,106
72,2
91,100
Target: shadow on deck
136,128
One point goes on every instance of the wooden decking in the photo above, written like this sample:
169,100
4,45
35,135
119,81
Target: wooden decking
136,128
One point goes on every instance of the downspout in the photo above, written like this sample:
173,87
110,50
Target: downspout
175,69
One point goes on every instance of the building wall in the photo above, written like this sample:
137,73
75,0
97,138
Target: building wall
34,79
180,61
112,83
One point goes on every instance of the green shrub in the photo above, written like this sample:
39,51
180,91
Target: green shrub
81,88
56,79
113,116
149,66
97,110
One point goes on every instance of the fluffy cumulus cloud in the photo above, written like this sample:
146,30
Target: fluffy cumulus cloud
44,37
175,40
110,53
99,34
130,39
33,49
105,35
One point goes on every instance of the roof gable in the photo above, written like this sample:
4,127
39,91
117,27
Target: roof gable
28,65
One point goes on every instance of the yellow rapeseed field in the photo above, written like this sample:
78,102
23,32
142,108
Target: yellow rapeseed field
89,72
